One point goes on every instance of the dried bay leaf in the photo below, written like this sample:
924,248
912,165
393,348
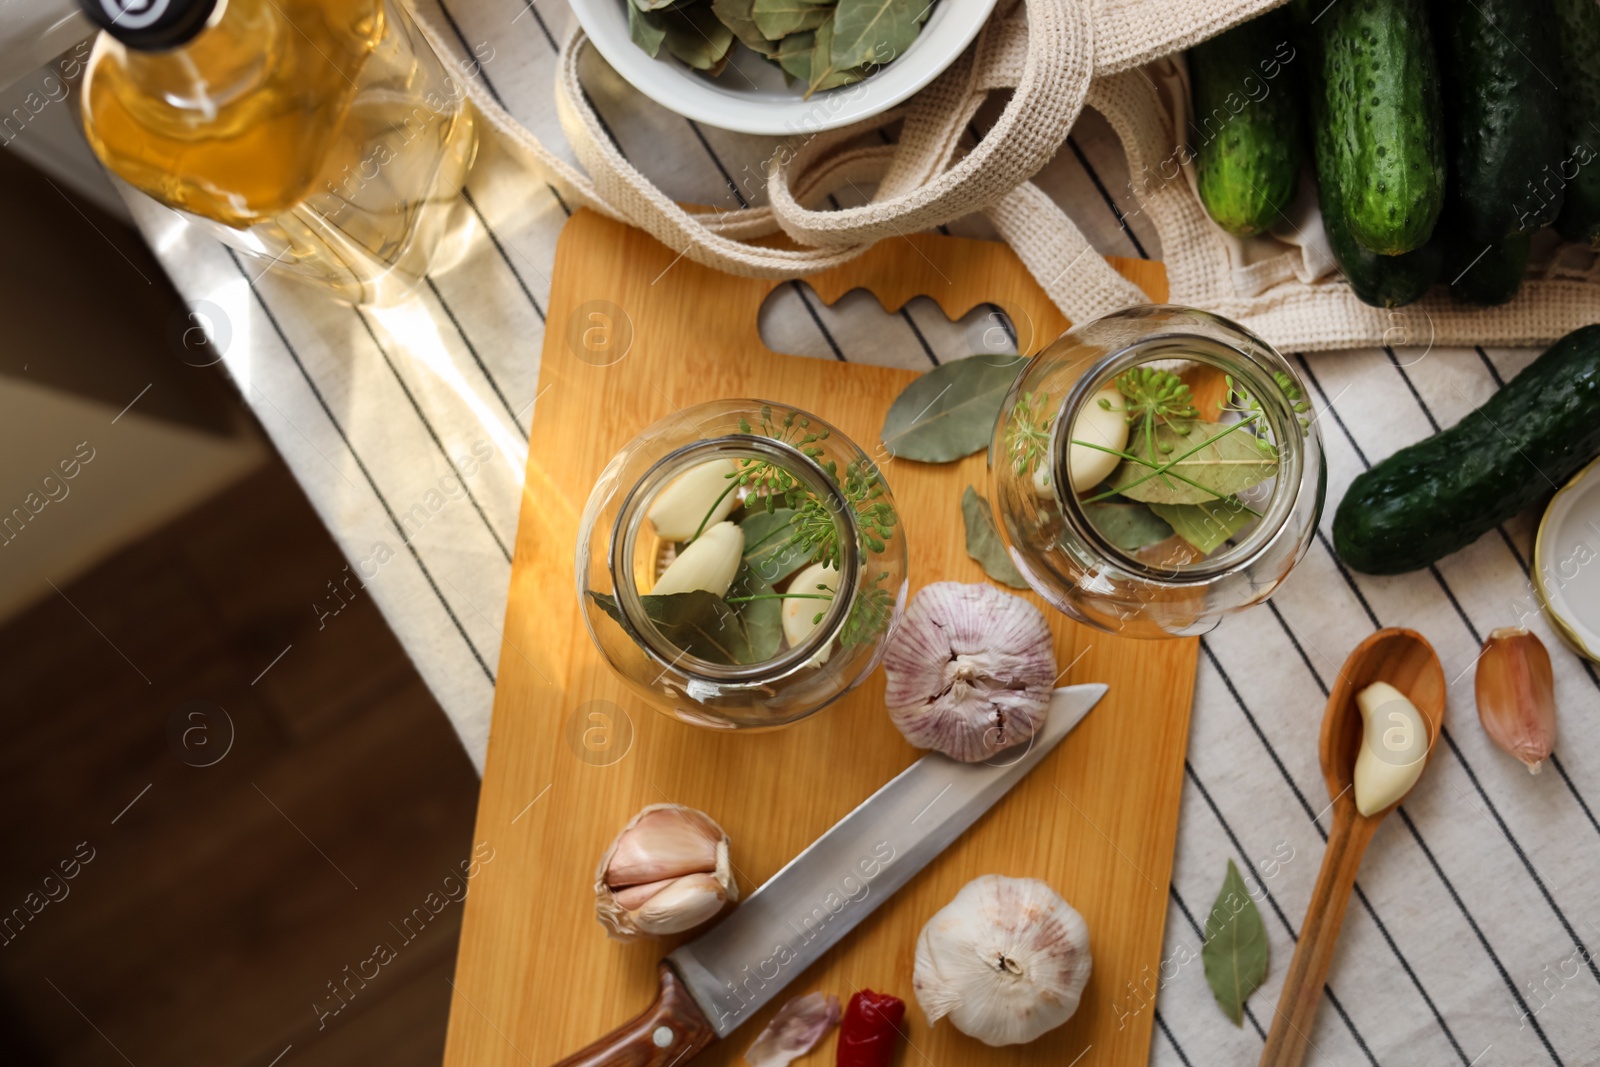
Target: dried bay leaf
738,16
1226,462
696,36
762,619
777,19
1128,526
768,551
984,543
646,30
700,623
1206,526
1235,952
794,55
950,411
875,32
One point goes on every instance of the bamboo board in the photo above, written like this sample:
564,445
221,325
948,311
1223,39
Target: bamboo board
536,977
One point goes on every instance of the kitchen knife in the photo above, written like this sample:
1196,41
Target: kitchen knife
712,984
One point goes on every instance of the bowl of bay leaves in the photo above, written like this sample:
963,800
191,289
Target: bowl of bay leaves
780,67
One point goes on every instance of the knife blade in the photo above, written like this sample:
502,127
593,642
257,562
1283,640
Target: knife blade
710,985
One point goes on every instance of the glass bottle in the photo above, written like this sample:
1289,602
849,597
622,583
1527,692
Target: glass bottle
324,136
1202,469
804,524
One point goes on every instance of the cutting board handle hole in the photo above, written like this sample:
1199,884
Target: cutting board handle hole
794,320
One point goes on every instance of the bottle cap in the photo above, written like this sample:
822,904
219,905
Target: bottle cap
150,25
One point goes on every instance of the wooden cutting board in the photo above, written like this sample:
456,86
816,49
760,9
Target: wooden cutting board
572,754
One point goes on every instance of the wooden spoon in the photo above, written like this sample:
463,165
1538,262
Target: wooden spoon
1405,660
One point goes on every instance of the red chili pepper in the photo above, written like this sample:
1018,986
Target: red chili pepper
870,1029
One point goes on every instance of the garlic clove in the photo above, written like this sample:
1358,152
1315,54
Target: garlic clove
682,905
681,508
794,1030
798,614
708,562
1043,483
1005,961
970,671
666,872
1105,426
1394,748
663,842
1516,695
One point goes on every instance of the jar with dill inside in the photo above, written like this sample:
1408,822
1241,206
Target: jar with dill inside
1156,469
739,564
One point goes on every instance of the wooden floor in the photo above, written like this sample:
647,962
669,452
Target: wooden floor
224,904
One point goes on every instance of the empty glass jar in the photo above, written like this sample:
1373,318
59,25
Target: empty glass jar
1156,469
740,564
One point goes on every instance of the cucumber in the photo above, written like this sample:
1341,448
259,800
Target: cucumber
1382,281
1580,106
1247,119
1487,274
1441,494
1502,113
1379,88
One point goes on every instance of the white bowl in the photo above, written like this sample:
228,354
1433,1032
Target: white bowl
751,96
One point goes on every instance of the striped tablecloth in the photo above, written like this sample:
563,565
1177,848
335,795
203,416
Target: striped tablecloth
1469,940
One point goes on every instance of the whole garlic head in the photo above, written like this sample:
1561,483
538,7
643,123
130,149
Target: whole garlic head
1006,960
666,872
970,671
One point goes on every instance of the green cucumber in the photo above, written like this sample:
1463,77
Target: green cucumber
1487,273
1247,122
1379,89
1502,113
1439,495
1580,104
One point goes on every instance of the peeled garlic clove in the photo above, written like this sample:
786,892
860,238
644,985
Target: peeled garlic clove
1043,481
970,671
680,509
708,562
798,614
1394,748
1516,695
667,871
794,1031
1006,960
1104,426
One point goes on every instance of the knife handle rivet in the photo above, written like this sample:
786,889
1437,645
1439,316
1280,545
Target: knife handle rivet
662,1036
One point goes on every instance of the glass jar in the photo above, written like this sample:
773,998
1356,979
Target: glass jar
741,564
1189,486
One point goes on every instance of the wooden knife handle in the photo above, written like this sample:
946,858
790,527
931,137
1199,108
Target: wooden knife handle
669,1031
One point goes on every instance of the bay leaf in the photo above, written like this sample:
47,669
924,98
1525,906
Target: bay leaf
697,37
700,623
646,30
1206,526
950,411
984,543
1128,526
794,55
777,19
738,16
1224,463
762,619
767,549
1235,952
875,32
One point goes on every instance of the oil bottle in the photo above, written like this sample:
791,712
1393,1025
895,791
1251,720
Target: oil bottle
324,136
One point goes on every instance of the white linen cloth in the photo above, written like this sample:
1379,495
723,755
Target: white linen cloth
1470,938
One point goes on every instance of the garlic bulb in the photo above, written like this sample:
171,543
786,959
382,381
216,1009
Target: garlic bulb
970,671
680,509
666,872
708,562
1006,960
1516,695
799,613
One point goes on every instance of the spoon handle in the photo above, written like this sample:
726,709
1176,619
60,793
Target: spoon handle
1313,953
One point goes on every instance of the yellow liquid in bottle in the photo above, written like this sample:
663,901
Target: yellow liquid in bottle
325,135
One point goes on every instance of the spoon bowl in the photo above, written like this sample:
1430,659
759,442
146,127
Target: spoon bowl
1405,660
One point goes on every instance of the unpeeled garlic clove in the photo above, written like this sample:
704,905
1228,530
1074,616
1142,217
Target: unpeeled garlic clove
667,871
1516,695
682,508
708,562
799,612
1106,426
